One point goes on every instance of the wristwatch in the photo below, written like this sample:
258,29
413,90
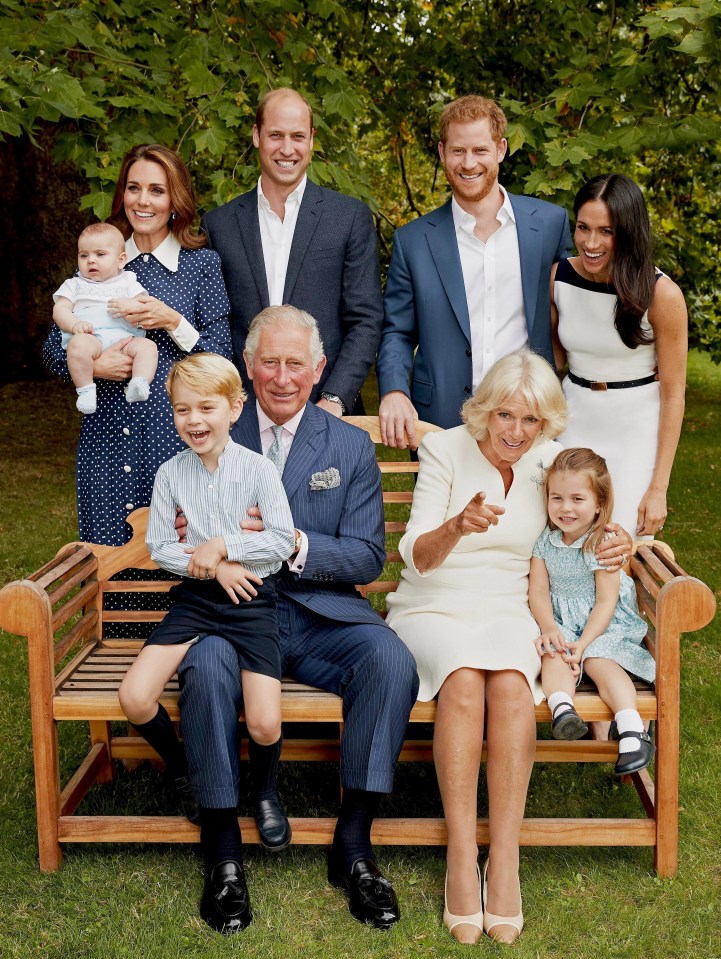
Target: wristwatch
332,398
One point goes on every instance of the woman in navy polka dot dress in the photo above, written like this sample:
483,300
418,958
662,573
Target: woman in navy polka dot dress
123,444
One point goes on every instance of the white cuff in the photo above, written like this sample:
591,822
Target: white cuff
185,336
298,564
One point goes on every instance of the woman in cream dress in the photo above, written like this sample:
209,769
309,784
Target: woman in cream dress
462,610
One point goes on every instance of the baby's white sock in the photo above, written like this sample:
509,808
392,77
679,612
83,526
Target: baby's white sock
629,721
562,701
137,390
87,401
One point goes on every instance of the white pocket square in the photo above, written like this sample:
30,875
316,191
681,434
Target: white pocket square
328,479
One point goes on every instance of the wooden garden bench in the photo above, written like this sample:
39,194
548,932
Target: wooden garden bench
75,669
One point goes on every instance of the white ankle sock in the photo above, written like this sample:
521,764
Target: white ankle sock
87,401
629,721
558,700
137,390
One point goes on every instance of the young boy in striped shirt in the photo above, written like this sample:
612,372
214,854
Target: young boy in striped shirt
228,577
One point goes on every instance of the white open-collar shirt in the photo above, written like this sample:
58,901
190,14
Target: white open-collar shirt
492,280
276,237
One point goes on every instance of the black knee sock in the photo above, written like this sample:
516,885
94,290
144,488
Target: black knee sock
352,839
160,733
264,767
220,837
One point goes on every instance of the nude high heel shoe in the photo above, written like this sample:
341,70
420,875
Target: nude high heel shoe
490,921
450,921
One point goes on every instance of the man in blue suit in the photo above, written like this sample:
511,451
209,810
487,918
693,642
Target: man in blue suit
330,636
468,283
291,241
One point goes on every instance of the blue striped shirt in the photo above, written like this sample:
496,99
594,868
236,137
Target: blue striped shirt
215,504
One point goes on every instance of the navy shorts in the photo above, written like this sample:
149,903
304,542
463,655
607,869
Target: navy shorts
201,608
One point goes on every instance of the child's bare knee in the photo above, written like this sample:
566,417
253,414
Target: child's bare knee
263,730
134,703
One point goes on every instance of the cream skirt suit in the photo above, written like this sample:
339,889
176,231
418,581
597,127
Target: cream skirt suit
473,610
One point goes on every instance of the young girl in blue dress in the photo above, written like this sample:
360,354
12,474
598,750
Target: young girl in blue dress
588,616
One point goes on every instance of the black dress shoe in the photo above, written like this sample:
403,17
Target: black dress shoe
638,759
225,905
273,825
187,800
372,898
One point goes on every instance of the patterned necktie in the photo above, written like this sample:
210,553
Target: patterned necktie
276,453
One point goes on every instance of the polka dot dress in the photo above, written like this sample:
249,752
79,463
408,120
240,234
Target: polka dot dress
122,445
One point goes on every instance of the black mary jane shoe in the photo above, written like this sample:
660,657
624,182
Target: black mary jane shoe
225,905
273,825
567,725
637,760
371,897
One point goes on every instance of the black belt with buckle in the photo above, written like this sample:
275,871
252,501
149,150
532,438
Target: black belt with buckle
618,385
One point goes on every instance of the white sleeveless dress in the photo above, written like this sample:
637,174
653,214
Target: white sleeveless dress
620,425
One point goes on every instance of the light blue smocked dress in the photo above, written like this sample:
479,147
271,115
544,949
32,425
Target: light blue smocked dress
571,574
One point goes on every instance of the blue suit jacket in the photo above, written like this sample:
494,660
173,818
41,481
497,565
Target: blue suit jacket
426,309
332,273
344,524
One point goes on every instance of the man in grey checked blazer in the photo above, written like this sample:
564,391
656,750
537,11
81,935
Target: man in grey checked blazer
289,240
330,636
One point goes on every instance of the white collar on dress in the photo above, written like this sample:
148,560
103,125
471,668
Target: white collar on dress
166,253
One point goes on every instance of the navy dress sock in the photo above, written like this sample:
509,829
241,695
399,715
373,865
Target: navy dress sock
352,839
160,733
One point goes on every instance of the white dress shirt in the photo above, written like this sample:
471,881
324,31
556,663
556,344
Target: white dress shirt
492,279
185,336
276,237
265,425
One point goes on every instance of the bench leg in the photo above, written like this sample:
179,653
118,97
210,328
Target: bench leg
47,794
100,733
666,782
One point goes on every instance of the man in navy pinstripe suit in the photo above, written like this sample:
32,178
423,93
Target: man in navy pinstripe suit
330,636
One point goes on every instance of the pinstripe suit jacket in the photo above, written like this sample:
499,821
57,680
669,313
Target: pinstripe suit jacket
344,524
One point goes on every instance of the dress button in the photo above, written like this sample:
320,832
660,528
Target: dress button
126,468
468,353
466,389
145,258
126,431
128,505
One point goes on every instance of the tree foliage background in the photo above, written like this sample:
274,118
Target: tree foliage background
588,86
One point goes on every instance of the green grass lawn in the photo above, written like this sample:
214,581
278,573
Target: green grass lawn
141,902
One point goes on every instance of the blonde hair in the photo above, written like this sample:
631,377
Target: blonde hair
470,108
594,468
207,373
97,229
289,317
523,373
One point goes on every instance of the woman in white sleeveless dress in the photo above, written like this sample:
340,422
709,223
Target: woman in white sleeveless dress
622,326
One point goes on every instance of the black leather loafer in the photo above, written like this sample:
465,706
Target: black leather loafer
225,905
273,825
371,897
637,760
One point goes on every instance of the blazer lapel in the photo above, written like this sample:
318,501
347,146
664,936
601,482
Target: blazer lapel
246,213
307,445
530,250
309,216
441,236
